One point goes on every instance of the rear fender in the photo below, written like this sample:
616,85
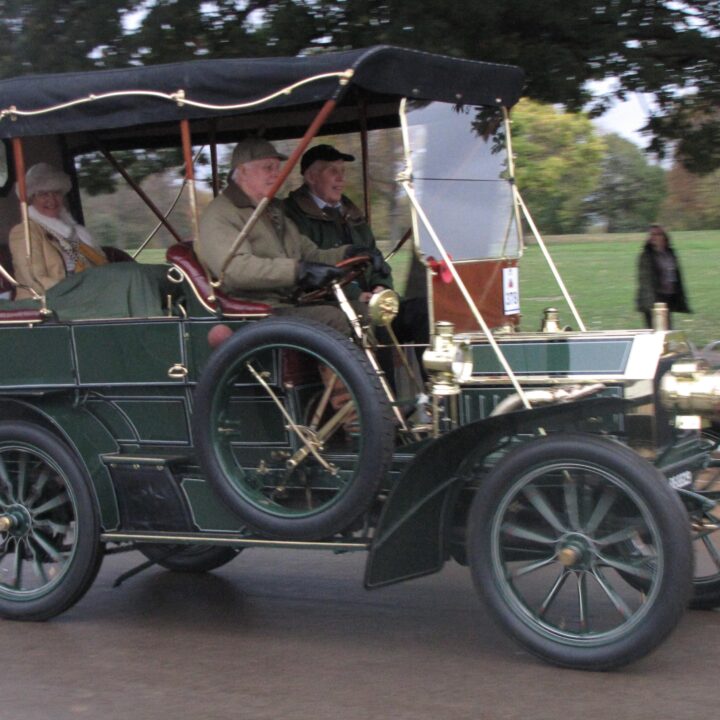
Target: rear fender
86,437
413,534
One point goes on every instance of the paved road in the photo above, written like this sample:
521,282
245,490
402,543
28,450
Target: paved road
293,635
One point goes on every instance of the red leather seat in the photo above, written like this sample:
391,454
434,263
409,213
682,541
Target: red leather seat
182,256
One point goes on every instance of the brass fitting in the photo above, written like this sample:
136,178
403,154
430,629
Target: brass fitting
447,361
691,388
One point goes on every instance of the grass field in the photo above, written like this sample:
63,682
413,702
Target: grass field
600,273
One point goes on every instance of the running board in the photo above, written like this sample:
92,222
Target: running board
231,540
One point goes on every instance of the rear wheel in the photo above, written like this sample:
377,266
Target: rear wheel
292,428
559,532
190,558
50,548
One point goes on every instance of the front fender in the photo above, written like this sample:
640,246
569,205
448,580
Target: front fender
413,533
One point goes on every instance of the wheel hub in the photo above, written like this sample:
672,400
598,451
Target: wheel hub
575,552
16,521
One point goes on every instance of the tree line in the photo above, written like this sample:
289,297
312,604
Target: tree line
574,179
668,48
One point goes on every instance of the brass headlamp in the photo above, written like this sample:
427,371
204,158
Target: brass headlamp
383,307
447,360
691,388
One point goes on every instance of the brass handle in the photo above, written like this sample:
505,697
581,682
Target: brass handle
177,372
6,523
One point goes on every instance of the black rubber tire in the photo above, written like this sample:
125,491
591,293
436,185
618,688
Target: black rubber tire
526,510
234,486
190,558
706,581
43,482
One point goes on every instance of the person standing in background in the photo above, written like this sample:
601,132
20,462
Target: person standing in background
659,277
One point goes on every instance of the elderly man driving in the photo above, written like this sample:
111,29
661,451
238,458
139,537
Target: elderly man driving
274,259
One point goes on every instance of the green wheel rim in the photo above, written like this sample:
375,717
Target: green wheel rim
576,553
38,549
309,489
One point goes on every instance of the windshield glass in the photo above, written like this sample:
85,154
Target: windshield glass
460,177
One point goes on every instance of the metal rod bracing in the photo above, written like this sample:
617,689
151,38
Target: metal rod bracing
550,262
519,204
166,214
466,294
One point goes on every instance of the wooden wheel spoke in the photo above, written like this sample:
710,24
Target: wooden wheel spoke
522,533
58,501
553,592
640,569
532,567
570,492
45,545
601,509
541,504
619,604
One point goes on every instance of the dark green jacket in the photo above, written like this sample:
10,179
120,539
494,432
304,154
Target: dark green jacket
328,232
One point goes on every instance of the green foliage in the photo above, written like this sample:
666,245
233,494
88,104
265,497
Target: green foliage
663,47
631,189
98,177
557,166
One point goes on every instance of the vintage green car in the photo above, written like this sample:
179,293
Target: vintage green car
562,466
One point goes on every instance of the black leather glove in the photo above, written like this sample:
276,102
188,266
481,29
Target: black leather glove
377,261
311,275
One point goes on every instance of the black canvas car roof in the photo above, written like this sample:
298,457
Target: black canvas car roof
379,73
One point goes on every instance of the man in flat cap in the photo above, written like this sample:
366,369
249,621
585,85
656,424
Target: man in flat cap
331,220
275,258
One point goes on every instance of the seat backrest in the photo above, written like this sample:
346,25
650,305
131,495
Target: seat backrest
7,289
183,257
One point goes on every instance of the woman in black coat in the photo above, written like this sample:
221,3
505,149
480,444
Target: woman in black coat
659,277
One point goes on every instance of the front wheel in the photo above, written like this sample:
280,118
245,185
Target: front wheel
581,551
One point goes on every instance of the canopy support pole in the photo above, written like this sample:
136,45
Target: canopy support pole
19,158
190,175
310,133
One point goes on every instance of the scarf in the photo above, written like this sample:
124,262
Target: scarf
74,241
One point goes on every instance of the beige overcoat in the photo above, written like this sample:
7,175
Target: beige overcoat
47,267
264,268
